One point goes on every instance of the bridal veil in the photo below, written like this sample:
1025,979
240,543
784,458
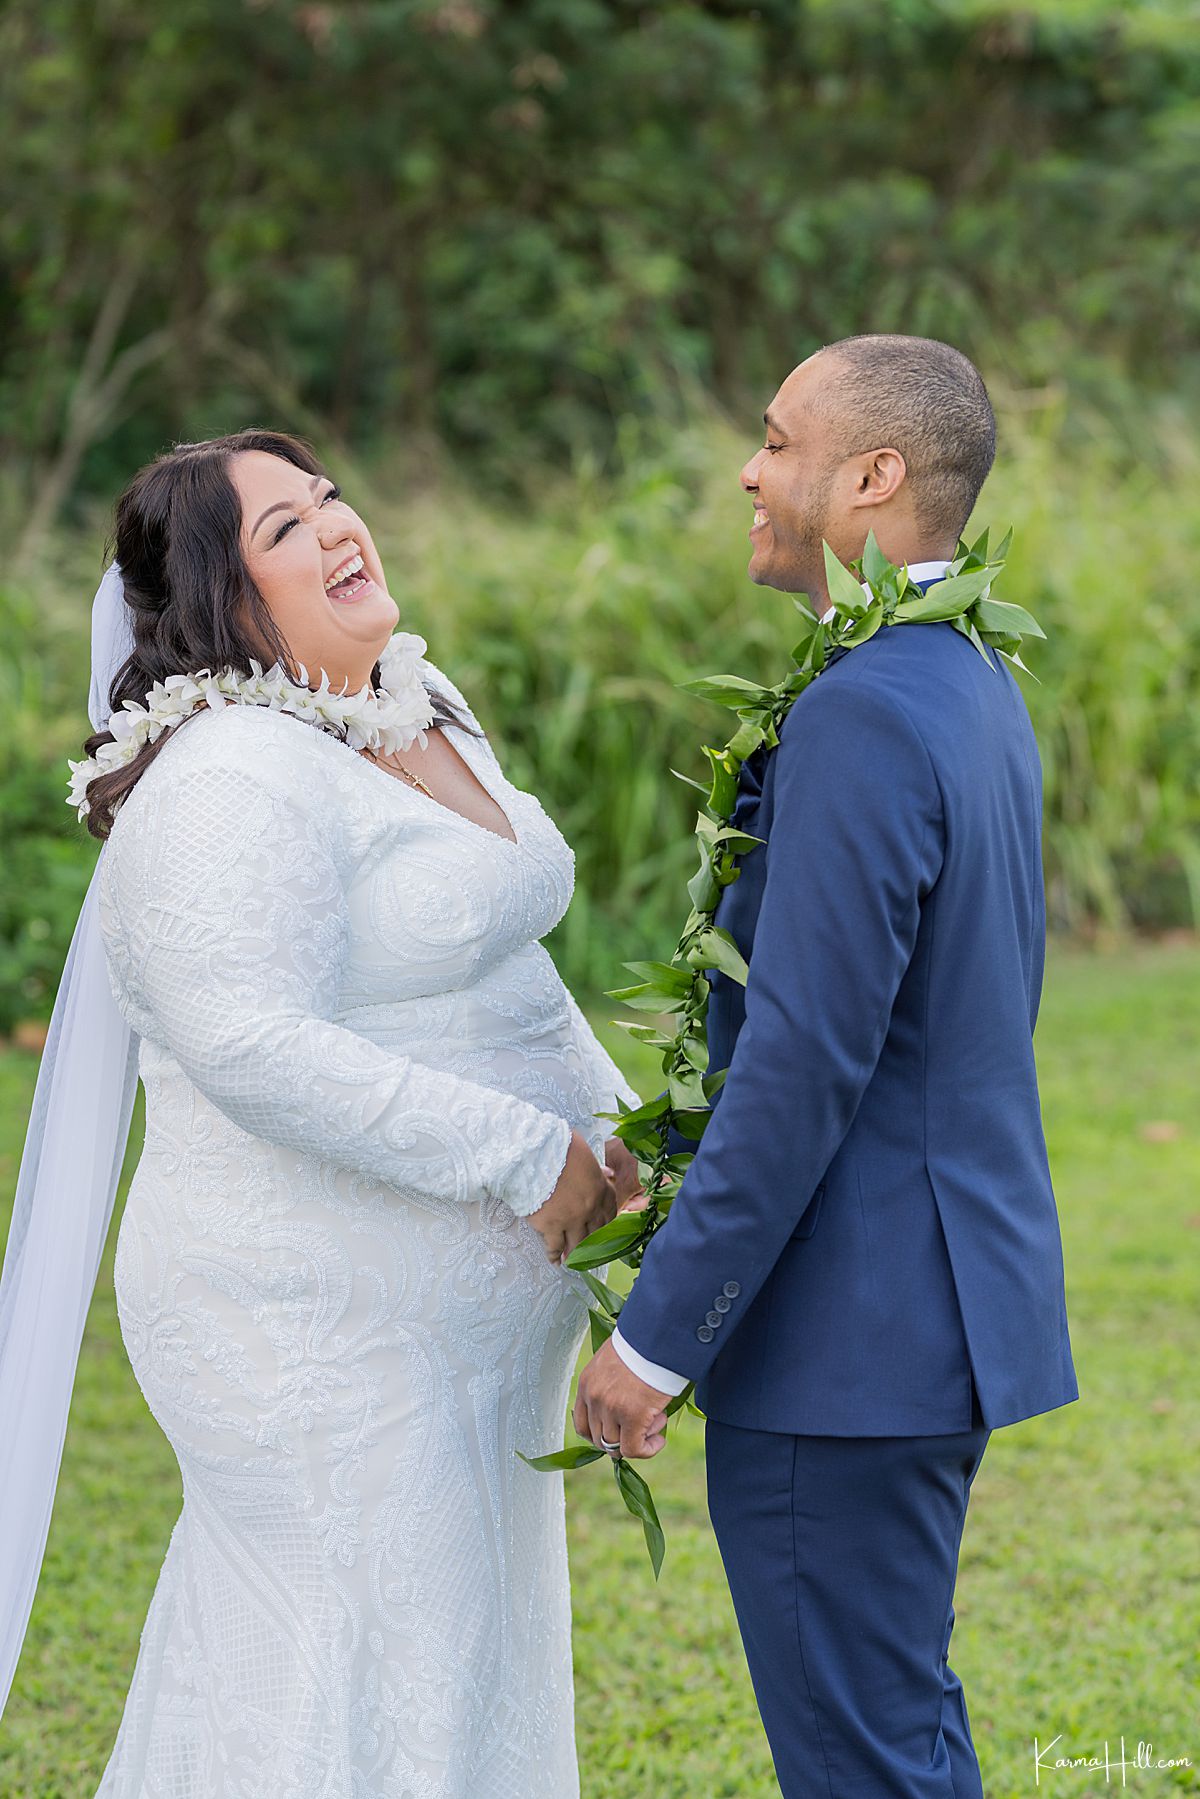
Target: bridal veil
70,1166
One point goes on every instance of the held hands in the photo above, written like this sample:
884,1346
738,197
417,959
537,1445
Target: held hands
614,1407
623,1166
613,1403
583,1200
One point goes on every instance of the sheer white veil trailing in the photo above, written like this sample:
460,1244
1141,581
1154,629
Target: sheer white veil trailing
70,1166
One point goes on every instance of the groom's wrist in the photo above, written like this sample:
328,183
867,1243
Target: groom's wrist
654,1375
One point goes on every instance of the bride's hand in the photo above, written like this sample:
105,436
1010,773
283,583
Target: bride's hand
583,1200
622,1164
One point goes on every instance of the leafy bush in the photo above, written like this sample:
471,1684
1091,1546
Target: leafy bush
571,628
47,857
570,624
504,225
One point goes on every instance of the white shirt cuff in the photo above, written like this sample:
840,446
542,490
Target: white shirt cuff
661,1378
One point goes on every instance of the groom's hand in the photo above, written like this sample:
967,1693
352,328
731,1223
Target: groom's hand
615,1405
622,1164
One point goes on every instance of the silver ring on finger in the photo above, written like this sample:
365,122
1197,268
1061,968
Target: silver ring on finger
606,1445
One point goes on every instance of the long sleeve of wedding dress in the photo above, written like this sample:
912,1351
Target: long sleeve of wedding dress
362,1071
227,919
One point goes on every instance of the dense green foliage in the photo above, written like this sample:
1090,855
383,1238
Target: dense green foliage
551,245
505,226
569,625
1078,1583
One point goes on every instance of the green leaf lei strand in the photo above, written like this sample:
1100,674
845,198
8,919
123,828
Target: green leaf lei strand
678,990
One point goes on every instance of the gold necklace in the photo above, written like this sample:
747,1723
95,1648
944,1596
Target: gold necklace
394,761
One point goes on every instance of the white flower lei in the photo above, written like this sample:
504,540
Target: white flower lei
390,717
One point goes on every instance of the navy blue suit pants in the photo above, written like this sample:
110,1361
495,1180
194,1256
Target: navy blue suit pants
841,1554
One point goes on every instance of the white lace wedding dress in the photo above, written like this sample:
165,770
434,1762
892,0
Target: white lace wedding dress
361,1071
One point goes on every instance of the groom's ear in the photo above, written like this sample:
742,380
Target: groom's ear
878,476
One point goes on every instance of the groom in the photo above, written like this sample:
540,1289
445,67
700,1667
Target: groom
862,1271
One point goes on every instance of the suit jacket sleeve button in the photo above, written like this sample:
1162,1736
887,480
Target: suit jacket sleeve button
721,1303
706,1333
714,1319
731,1289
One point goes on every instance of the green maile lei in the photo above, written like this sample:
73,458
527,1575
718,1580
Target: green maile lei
677,991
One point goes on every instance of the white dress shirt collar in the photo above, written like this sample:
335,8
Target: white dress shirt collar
917,571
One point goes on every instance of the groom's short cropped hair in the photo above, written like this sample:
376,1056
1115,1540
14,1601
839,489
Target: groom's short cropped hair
927,400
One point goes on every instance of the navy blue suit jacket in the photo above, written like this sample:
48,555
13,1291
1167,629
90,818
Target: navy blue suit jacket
869,1219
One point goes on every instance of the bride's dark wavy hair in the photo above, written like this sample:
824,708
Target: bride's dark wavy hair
177,537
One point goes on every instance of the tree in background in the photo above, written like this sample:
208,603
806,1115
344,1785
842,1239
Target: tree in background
503,225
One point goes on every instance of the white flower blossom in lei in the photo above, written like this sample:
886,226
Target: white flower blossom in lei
390,717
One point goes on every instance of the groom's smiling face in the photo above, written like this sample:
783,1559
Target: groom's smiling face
791,483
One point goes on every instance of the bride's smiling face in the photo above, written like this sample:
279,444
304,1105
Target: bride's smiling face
312,559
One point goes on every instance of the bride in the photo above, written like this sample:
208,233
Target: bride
370,1143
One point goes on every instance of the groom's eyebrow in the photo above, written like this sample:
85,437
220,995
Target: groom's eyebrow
773,425
282,505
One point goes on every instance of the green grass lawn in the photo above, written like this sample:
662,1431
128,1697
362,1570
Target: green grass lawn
1078,1603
